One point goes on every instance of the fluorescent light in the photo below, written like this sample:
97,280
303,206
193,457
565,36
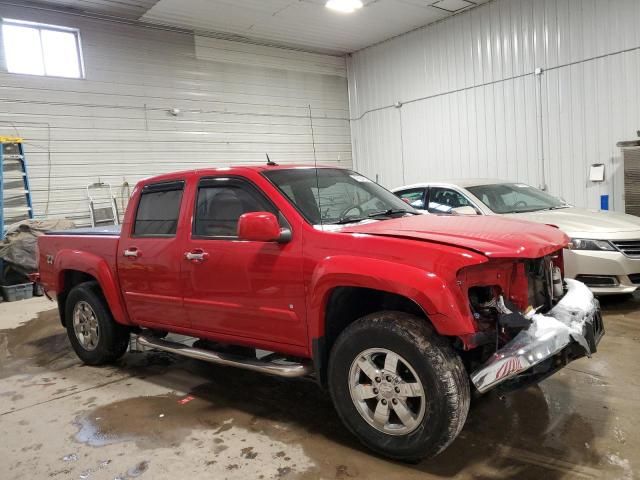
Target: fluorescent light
344,6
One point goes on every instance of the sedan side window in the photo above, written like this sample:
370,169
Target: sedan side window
444,200
221,202
414,197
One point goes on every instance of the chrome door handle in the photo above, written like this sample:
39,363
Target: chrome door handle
132,253
196,256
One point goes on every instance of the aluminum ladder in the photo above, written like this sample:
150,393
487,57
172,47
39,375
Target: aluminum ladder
103,209
15,194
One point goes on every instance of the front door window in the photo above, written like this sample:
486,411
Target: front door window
446,200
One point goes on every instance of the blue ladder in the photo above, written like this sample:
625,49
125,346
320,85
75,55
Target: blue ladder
15,194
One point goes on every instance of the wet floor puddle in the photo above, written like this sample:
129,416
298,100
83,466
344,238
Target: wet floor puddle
150,422
36,344
522,434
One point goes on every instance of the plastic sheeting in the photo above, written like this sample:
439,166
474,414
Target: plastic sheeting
548,334
20,245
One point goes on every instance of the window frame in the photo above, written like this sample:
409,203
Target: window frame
40,27
242,182
165,186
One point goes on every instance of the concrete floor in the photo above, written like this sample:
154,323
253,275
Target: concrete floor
157,416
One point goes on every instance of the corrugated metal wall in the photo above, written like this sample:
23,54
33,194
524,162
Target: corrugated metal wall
469,96
114,125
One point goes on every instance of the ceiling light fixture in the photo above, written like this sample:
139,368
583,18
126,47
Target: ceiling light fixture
344,6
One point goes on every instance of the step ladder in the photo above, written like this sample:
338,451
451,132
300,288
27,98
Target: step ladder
103,209
15,194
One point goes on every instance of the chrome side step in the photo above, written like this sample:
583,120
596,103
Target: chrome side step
280,368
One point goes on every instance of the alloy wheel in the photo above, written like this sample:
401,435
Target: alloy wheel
387,391
85,326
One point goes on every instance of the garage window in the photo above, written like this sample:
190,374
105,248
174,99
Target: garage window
39,49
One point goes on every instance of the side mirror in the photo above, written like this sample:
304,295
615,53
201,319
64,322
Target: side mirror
466,210
261,227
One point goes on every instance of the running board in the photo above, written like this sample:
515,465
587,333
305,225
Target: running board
284,369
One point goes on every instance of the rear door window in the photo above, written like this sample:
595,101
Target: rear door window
158,210
414,197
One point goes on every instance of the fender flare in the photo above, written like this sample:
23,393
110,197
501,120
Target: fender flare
446,309
98,268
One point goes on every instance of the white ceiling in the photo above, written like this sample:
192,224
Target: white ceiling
305,24
131,9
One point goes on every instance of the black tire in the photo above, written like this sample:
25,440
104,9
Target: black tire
113,338
440,370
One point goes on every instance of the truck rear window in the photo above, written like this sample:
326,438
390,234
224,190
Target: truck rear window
158,210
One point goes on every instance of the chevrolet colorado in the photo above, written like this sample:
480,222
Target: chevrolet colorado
318,271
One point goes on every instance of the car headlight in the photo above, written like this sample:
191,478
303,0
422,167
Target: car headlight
589,244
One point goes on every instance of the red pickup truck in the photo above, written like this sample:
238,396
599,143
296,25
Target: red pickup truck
305,271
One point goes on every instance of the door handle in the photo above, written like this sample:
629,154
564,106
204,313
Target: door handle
132,253
196,256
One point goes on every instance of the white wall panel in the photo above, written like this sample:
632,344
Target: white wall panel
234,52
114,125
468,90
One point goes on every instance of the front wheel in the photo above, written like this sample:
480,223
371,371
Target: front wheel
94,335
398,386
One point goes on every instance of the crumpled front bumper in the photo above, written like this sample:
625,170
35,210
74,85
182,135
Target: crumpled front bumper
570,330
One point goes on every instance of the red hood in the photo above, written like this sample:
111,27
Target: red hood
490,235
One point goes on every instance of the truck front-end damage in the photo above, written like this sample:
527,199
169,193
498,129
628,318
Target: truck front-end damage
531,322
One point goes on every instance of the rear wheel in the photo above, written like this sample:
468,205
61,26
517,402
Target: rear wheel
398,386
94,335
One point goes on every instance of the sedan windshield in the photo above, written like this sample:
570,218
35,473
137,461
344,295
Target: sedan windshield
515,198
337,196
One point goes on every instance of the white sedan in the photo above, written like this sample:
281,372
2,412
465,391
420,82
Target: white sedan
605,248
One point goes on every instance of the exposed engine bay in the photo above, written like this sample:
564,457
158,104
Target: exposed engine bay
501,314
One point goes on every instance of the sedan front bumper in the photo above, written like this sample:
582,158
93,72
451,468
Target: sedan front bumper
621,273
570,330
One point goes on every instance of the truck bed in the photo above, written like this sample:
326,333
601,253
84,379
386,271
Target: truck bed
76,243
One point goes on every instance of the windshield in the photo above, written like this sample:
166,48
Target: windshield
515,198
336,196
